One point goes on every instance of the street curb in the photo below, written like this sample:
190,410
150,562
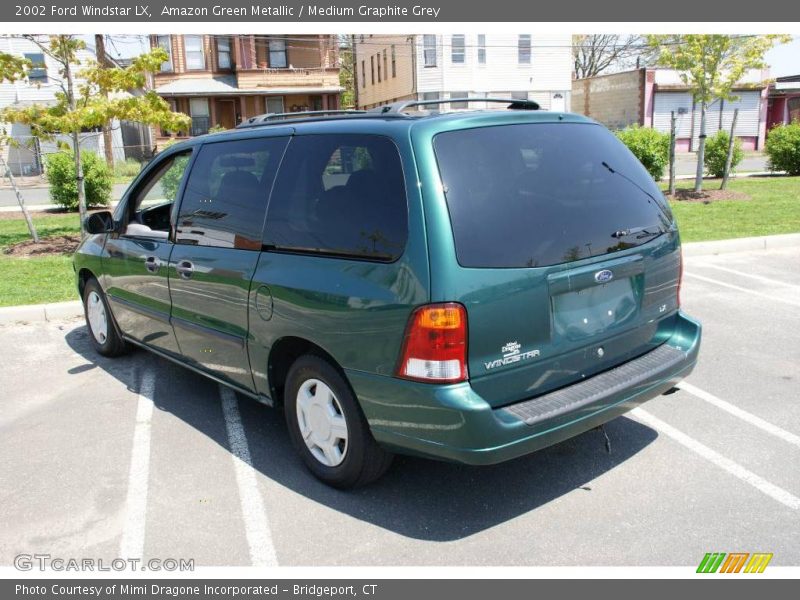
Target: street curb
766,242
29,313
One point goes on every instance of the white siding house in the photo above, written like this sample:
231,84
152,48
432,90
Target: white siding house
41,86
518,65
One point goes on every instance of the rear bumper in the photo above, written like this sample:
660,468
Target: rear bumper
454,423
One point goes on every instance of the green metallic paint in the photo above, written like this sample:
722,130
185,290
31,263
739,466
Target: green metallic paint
356,311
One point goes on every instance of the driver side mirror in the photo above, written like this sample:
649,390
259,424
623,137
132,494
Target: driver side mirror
99,222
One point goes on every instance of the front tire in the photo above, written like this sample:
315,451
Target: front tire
327,427
100,322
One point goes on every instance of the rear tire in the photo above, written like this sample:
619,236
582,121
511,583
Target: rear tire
327,427
100,322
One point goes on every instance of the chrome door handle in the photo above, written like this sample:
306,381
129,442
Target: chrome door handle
184,269
151,264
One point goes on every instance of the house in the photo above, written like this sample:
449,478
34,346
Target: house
389,68
784,101
25,155
220,80
648,96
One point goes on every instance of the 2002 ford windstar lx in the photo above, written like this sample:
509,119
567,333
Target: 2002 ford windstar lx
470,286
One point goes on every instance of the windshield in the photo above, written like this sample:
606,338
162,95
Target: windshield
540,194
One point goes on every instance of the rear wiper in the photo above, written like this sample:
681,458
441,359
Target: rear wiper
636,185
642,231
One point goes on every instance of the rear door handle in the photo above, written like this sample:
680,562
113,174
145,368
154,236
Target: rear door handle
184,269
151,264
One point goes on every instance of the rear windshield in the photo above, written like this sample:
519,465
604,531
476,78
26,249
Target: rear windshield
540,194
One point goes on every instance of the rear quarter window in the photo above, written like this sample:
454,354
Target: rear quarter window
540,194
340,195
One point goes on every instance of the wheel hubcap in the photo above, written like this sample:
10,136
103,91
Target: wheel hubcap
96,313
322,422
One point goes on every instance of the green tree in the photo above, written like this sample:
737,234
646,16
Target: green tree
12,67
99,98
346,74
711,65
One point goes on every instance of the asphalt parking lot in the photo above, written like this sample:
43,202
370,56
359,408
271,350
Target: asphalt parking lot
105,458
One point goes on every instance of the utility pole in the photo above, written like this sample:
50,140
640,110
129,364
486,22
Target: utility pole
729,158
108,139
672,133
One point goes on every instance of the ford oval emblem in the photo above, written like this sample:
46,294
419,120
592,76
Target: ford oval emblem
603,276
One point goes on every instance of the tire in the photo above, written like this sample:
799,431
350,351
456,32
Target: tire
103,332
343,463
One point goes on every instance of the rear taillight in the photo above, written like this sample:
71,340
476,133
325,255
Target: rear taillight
435,344
680,275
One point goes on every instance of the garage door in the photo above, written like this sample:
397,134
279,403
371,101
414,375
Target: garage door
666,102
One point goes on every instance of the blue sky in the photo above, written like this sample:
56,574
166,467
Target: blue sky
785,59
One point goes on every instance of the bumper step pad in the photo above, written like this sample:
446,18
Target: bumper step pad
647,367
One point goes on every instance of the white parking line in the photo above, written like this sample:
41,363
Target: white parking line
257,530
751,275
742,289
778,432
132,544
735,469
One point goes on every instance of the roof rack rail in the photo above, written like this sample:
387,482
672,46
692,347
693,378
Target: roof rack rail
267,118
513,103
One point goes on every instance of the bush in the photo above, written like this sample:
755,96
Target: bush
717,153
60,168
783,148
128,169
651,147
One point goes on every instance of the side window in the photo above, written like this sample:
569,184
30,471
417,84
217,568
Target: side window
341,195
149,212
226,194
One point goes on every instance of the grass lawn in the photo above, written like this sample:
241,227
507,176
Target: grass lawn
773,208
34,280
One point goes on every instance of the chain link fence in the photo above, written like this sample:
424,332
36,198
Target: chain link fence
132,146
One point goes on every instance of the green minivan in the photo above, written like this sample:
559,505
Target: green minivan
468,285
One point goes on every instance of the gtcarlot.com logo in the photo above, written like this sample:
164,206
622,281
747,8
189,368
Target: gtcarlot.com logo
43,562
734,562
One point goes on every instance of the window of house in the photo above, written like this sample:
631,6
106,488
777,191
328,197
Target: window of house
38,68
793,108
524,49
456,105
226,194
201,120
457,52
430,95
519,95
341,195
363,74
482,49
379,67
394,61
195,59
429,50
275,104
372,68
224,52
277,54
165,43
